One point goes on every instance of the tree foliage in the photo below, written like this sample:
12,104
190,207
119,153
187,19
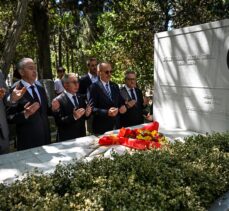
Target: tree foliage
118,31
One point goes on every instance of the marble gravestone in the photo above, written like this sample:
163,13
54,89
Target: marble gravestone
191,77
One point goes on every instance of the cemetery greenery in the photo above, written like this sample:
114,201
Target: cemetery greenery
184,176
67,32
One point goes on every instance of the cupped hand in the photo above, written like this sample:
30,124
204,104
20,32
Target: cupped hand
30,109
112,112
78,113
88,110
17,93
122,109
55,105
2,93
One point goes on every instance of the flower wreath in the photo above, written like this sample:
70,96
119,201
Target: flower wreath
143,138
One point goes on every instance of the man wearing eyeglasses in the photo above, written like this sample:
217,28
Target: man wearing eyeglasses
72,112
107,101
134,101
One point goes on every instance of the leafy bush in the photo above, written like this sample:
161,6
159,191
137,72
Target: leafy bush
186,176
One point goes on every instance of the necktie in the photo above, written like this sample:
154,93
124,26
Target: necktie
132,94
108,91
75,101
35,97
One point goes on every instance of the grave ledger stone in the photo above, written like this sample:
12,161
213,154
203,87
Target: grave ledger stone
192,77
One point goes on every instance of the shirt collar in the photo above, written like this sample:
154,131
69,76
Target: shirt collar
92,76
127,88
69,94
26,84
104,83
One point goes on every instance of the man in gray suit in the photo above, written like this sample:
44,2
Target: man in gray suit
4,132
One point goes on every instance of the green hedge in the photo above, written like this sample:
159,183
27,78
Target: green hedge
188,176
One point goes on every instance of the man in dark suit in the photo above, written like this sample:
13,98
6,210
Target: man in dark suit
29,110
72,112
4,132
85,81
107,101
91,77
134,101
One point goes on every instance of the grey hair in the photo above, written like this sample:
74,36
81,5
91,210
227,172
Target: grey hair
22,63
129,72
66,77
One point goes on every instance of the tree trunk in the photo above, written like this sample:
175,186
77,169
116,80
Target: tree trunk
40,18
13,36
60,47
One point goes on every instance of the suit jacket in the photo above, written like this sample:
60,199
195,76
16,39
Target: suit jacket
4,132
101,104
85,83
33,131
134,115
68,127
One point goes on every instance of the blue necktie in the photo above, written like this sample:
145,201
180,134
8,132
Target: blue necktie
75,101
108,91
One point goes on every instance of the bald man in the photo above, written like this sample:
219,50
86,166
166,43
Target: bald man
106,101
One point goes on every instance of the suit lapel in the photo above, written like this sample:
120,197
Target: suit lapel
89,80
26,95
68,101
104,90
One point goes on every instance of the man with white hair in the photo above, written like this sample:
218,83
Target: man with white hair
29,109
72,112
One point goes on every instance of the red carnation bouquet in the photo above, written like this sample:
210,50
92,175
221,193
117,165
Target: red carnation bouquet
143,138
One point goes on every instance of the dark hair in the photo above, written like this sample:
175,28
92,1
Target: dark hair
91,60
60,69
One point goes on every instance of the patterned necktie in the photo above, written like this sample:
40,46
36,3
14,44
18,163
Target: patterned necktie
132,94
35,97
108,91
75,101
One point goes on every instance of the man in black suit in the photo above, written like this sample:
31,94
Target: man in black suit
107,101
72,112
134,101
29,110
85,82
91,77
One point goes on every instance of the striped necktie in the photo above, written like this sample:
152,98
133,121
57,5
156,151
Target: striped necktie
108,91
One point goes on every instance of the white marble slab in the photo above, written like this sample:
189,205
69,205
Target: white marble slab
191,77
45,158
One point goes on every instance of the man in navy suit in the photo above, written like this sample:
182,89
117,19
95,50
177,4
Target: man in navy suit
29,110
107,101
72,112
134,101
